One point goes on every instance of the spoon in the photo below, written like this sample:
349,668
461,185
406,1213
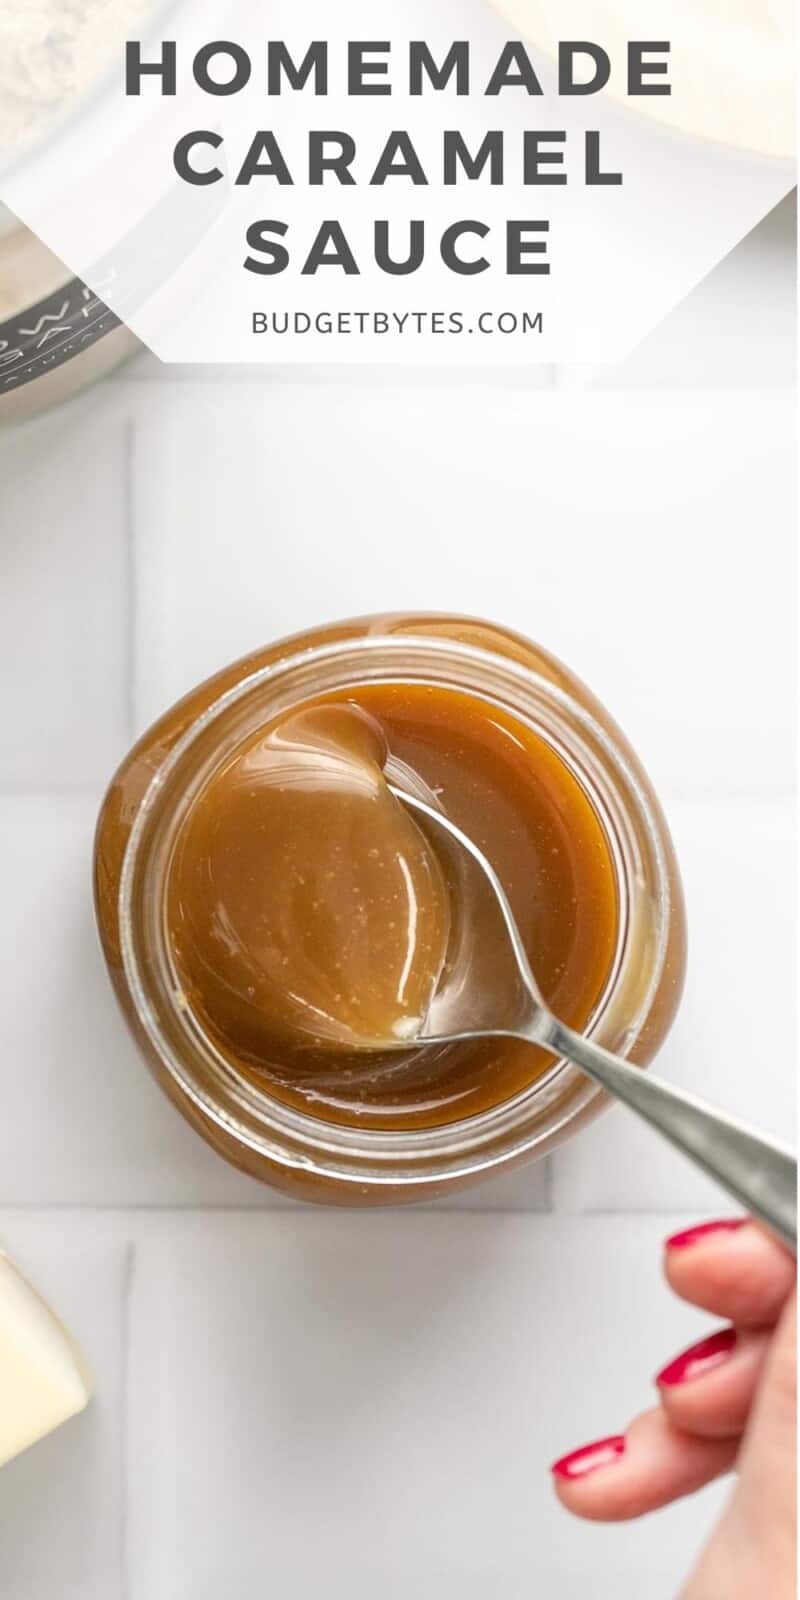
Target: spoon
758,1173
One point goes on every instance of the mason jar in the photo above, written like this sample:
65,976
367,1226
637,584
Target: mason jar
259,1131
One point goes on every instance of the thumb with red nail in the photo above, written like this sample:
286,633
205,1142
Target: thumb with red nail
726,1402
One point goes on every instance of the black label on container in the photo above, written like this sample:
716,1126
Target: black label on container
47,334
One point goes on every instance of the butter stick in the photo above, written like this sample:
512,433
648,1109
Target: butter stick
43,1378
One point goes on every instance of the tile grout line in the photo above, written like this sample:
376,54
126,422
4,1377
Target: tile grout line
131,605
121,1210
508,377
128,1272
56,791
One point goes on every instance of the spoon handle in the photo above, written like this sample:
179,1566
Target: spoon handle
759,1174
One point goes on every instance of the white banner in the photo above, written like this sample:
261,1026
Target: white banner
291,180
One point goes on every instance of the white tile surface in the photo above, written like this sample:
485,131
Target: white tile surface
64,598
374,1401
62,1506
738,865
619,533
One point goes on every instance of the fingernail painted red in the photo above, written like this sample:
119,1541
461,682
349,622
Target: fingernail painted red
579,1463
699,1359
704,1230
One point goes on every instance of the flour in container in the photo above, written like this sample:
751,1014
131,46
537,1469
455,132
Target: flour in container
51,51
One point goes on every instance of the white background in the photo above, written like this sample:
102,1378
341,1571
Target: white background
291,1400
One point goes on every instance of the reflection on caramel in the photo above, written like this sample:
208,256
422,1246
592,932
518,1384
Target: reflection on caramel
305,906
309,915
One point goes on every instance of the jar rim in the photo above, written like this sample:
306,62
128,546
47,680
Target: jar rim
295,1138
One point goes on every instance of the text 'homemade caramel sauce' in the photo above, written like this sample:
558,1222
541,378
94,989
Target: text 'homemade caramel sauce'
311,920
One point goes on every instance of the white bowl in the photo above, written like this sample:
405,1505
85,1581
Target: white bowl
731,62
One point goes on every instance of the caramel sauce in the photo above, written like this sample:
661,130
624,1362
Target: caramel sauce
306,907
311,920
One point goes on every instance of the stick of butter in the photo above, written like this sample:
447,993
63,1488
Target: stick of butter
43,1379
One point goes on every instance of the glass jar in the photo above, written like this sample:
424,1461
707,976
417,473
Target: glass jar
153,791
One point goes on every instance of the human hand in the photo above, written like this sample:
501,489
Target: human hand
727,1401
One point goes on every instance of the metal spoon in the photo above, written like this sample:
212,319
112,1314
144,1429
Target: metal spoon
757,1172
